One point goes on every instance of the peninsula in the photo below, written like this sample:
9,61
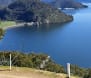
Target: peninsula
33,11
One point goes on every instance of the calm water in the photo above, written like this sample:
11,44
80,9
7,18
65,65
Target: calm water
70,42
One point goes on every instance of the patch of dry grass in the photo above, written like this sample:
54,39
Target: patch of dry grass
5,24
23,72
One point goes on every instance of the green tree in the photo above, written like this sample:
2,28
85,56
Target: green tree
76,70
88,74
1,33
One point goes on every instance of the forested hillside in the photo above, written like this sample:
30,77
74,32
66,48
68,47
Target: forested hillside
33,11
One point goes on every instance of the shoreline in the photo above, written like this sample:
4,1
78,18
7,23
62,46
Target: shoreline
12,26
17,25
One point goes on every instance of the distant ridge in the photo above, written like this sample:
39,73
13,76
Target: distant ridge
67,4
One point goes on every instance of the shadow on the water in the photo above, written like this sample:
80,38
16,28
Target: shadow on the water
70,11
49,27
41,28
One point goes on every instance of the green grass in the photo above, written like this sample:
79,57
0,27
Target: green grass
4,24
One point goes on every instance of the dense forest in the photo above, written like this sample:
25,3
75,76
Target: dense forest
33,10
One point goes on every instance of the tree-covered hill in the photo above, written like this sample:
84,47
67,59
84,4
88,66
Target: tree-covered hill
67,4
35,11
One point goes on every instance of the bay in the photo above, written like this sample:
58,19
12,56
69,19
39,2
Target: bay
70,42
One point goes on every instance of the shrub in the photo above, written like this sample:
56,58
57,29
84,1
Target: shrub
32,60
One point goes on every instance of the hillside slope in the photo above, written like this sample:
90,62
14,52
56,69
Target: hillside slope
28,73
35,11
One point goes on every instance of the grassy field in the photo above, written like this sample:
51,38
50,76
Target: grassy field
5,24
23,72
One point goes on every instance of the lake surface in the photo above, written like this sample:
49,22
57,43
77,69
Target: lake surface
70,42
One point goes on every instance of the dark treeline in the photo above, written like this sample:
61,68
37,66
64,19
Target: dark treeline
34,60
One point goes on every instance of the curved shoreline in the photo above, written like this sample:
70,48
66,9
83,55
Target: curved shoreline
17,25
12,26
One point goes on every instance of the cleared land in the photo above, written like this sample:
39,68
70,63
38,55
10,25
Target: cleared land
6,24
18,72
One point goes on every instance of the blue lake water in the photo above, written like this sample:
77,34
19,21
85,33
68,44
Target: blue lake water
70,42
